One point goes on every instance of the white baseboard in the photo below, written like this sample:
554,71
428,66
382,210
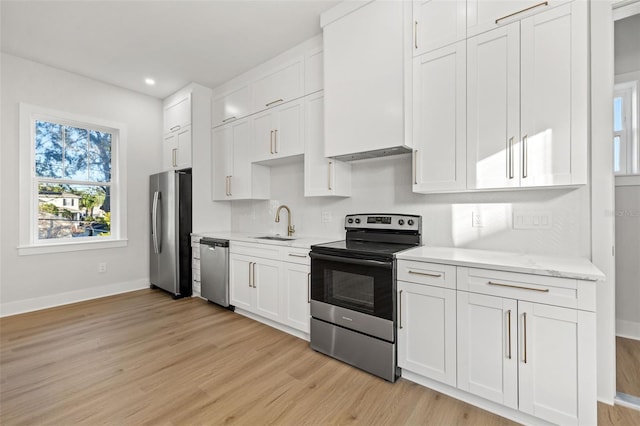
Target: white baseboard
37,303
628,329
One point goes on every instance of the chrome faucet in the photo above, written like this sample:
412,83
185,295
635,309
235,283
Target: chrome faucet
290,228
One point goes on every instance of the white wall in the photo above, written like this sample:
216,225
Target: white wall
627,48
384,186
37,281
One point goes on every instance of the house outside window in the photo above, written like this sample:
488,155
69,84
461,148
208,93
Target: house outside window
75,196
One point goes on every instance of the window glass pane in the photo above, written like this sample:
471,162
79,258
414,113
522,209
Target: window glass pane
75,153
617,113
48,149
616,154
99,156
73,211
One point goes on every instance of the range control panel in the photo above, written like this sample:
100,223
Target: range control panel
383,221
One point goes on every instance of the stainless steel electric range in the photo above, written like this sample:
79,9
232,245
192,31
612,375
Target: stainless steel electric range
353,291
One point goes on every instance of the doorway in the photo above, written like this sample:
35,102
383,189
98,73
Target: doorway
626,166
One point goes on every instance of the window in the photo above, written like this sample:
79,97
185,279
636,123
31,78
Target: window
626,156
71,181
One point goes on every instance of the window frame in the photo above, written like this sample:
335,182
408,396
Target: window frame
29,242
629,144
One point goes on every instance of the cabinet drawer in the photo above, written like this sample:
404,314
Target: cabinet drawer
427,273
295,255
255,250
195,239
195,274
556,291
195,264
195,251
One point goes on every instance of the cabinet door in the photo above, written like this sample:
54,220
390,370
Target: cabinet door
493,108
232,106
178,114
169,151
263,129
296,293
487,347
554,96
427,331
279,85
364,77
557,351
437,23
241,291
183,155
266,280
322,176
240,179
222,161
439,119
288,138
483,14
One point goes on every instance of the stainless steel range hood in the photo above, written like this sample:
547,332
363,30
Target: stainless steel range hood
384,152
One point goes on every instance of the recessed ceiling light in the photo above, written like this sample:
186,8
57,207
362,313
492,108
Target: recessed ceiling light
150,81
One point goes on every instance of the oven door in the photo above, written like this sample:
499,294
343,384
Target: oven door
354,293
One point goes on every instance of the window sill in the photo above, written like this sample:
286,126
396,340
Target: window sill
67,247
627,180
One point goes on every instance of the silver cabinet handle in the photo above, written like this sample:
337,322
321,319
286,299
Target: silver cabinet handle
273,102
230,186
229,119
525,156
275,141
254,275
415,34
173,156
309,287
297,255
330,173
524,318
415,167
174,128
542,290
425,274
400,310
250,277
510,157
509,327
271,142
544,3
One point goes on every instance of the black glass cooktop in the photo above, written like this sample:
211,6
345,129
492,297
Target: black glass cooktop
361,248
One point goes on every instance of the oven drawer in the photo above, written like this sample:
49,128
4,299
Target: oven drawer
433,274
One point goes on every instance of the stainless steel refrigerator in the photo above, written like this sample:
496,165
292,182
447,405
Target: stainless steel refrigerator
170,202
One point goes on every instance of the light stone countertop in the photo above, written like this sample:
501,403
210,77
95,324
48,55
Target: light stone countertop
298,242
553,266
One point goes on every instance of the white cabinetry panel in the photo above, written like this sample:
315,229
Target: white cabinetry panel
437,23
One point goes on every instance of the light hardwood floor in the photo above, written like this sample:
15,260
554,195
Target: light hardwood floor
628,366
143,358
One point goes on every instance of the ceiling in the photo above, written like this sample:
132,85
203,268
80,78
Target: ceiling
174,42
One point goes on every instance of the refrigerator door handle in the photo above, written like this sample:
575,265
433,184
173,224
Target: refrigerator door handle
156,215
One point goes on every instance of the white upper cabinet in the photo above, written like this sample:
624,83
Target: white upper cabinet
437,23
493,108
439,121
322,176
485,15
527,101
231,106
364,75
177,114
313,75
278,85
279,132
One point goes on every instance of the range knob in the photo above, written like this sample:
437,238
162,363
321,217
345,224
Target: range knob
350,220
357,220
410,222
401,222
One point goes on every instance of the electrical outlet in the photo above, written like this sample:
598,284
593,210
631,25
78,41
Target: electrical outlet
326,217
476,220
102,267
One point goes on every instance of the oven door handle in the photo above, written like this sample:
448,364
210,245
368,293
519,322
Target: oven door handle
362,262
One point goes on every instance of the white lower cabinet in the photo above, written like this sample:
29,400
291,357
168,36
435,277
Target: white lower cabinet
427,331
195,265
272,283
523,341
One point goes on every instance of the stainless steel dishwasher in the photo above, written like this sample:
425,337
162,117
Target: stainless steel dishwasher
214,270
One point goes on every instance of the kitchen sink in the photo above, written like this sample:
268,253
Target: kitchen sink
274,238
